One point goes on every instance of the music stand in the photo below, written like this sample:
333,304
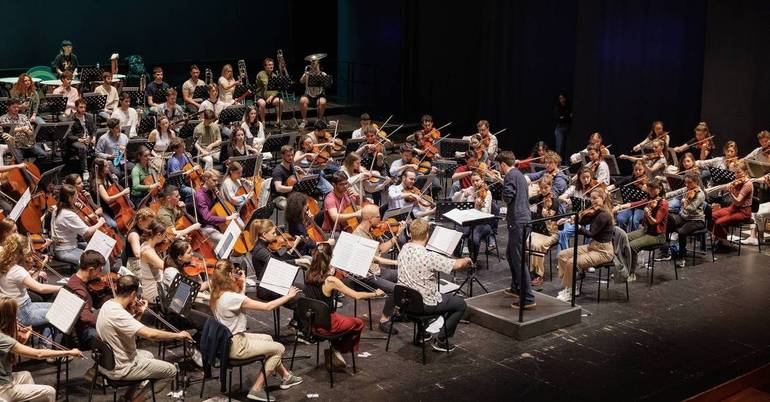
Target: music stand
3,106
137,96
146,124
757,168
274,142
319,80
264,212
200,92
241,89
133,146
353,144
443,207
308,185
721,176
579,203
56,104
632,193
187,130
449,146
7,128
675,181
52,132
445,166
424,182
231,113
496,189
178,179
49,178
181,295
278,83
248,162
89,74
94,102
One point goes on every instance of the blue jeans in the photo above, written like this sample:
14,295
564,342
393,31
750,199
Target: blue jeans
71,256
566,233
187,194
479,232
109,221
674,205
560,140
33,314
323,185
629,219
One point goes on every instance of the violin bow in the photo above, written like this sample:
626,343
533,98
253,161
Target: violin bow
425,154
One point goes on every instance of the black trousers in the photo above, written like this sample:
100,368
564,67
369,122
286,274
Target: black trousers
513,254
683,228
452,308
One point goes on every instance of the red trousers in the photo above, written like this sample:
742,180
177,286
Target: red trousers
725,217
343,323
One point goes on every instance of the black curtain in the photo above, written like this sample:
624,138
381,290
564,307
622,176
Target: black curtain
637,62
497,60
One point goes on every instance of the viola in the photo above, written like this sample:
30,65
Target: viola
590,211
198,265
427,141
389,225
103,282
85,209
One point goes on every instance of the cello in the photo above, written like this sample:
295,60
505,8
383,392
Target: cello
223,209
86,211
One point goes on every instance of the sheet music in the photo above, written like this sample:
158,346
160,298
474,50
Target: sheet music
466,215
102,244
354,254
65,310
227,242
278,277
20,205
443,240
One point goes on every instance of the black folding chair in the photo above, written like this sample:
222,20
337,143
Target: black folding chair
104,358
411,308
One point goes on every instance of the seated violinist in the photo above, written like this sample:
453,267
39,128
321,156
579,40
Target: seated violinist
312,156
179,255
84,197
730,155
233,182
488,141
89,270
741,197
699,144
656,133
144,217
205,198
653,230
560,180
655,160
150,262
269,244
407,161
426,138
140,172
177,162
361,179
282,172
542,238
537,155
365,121
599,168
380,277
594,139
762,152
461,178
67,225
405,193
299,219
171,209
22,134
690,217
336,202
481,197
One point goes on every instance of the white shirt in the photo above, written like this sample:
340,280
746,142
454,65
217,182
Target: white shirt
112,96
127,118
226,95
150,277
249,134
190,86
228,312
66,228
216,106
357,133
12,284
117,328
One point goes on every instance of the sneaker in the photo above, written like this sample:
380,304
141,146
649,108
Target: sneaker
681,263
591,269
666,256
385,326
197,358
537,281
631,277
750,241
291,381
440,345
734,238
260,395
527,306
565,296
511,293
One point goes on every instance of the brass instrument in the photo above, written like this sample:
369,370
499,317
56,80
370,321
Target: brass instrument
282,70
142,86
243,75
209,76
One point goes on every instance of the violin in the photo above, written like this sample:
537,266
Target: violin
389,225
198,265
168,238
424,200
323,154
103,283
427,141
590,211
336,143
282,244
423,166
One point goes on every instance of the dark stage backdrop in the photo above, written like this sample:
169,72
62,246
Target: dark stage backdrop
497,60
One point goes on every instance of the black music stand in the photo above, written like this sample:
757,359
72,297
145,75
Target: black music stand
721,176
178,179
675,181
49,179
133,146
201,92
308,185
3,106
137,96
264,212
612,164
449,146
445,166
231,113
181,295
56,104
632,193
353,144
52,132
443,207
278,83
241,89
146,124
424,182
470,278
274,142
496,189
320,80
94,102
579,203
187,130
89,74
399,214
248,162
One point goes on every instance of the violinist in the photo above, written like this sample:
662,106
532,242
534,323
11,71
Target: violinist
629,219
542,238
690,217
177,162
81,136
20,386
405,193
205,198
111,147
740,192
308,157
461,178
598,251
151,263
372,148
600,169
654,222
655,161
84,197
298,218
359,178
179,256
488,140
656,133
282,172
336,201
700,144
407,161
66,226
538,153
365,121
380,277
725,162
144,218
119,327
126,115
481,197
594,139
760,219
161,136
233,182
22,135
581,189
229,304
371,155
237,146
89,270
266,237
762,152
426,138
171,209
15,281
139,173
686,164
560,180
208,139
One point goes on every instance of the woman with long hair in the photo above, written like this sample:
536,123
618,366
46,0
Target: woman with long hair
20,386
296,214
24,90
228,303
66,226
84,196
255,129
320,284
161,136
150,263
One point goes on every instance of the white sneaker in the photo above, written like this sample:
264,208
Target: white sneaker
631,278
591,269
681,263
197,358
734,238
565,296
750,241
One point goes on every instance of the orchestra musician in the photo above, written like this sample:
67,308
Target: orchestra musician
228,303
269,98
313,96
581,189
594,139
254,128
161,137
24,90
265,234
487,139
478,193
237,146
170,108
656,133
739,210
516,198
111,147
151,264
139,173
461,178
405,193
66,226
725,162
83,196
417,269
227,85
20,386
336,201
126,115
599,251
655,161
539,150
212,103
68,91
690,217
307,157
205,200
407,161
365,121
762,152
107,89
179,255
700,144
424,138
144,218
171,209
282,172
118,325
760,218
540,241
560,180
188,88
232,182
65,60
22,134
298,217
629,219
81,137
177,162
89,271
208,138
155,90
600,169
358,178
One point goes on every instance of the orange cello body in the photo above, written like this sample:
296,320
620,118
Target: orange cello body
223,209
197,240
17,182
85,210
252,203
193,175
122,209
152,179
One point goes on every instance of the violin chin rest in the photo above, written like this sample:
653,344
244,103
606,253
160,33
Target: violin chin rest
280,202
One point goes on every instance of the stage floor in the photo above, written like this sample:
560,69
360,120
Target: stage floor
668,342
